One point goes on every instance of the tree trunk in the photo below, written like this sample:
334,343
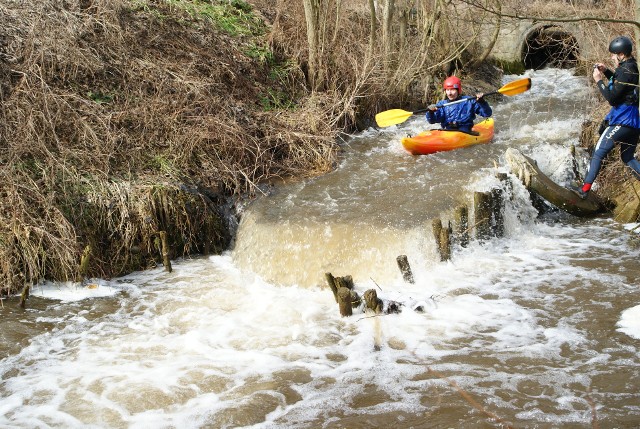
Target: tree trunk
312,13
373,27
387,33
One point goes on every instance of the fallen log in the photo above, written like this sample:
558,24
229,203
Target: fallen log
537,182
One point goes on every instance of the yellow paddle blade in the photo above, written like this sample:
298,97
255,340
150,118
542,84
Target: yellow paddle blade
516,87
392,117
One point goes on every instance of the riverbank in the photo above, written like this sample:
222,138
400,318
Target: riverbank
123,120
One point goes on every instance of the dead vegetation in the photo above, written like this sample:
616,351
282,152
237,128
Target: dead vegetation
120,119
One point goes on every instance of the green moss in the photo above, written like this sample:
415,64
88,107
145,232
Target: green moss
162,164
276,100
261,54
234,18
511,67
99,97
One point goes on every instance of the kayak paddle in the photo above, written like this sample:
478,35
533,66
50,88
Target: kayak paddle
398,116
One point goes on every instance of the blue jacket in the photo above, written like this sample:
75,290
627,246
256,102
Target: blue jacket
622,94
459,116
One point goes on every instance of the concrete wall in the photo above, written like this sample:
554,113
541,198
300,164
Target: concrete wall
514,34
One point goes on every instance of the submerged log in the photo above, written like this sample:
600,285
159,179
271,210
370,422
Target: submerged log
536,181
405,268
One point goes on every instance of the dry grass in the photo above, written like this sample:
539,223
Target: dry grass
120,119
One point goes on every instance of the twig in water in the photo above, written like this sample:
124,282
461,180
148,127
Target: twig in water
374,282
592,405
373,315
469,399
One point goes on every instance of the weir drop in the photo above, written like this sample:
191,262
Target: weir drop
538,328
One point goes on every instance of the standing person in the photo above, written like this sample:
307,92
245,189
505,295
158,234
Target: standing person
622,123
459,116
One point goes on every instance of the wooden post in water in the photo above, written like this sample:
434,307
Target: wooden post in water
24,296
441,236
445,244
436,226
345,281
331,281
405,268
165,252
497,205
344,301
462,225
372,302
344,293
482,209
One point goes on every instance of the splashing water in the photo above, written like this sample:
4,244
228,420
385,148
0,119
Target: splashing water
535,329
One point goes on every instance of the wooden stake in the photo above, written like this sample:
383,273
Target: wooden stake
372,302
344,302
497,205
445,244
165,252
405,268
482,209
24,296
331,281
344,281
462,225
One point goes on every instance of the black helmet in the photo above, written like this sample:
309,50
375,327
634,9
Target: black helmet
621,45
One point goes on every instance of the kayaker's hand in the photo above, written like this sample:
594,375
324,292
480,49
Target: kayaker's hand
432,108
479,96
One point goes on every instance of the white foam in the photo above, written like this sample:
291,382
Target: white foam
76,291
629,322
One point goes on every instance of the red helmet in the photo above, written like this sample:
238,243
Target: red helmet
452,83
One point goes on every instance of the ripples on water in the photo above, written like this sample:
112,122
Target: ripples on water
536,329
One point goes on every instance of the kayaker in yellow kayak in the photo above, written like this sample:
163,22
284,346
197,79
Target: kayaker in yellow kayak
458,116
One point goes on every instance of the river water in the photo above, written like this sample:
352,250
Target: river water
537,329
